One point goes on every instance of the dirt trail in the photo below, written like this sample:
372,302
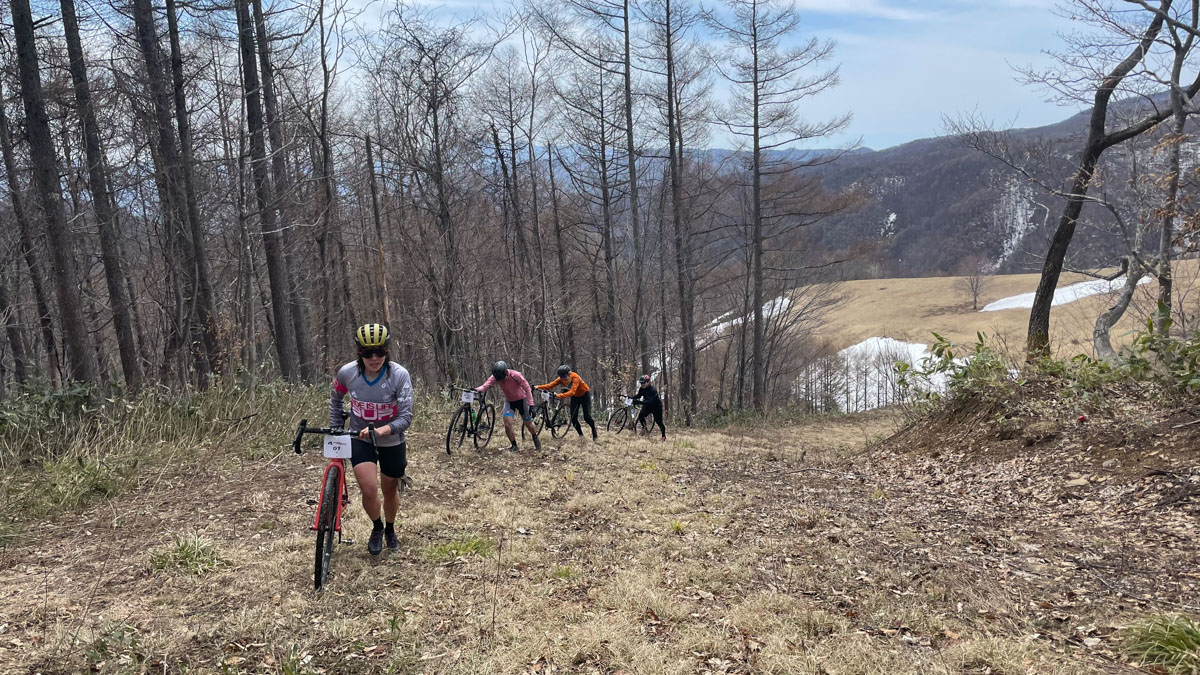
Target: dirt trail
779,551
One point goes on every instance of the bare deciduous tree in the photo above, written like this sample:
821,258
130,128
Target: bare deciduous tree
769,81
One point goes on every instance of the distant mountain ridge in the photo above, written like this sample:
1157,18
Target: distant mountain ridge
932,203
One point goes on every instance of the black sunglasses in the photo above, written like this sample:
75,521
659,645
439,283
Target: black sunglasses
372,353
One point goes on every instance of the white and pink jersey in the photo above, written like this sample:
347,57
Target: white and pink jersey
386,399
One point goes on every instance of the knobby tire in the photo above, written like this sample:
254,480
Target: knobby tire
458,427
558,423
625,422
325,526
614,420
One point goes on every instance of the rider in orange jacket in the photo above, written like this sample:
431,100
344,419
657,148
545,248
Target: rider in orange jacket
579,393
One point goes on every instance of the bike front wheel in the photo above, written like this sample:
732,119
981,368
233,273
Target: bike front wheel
558,423
626,421
326,526
457,431
615,421
484,425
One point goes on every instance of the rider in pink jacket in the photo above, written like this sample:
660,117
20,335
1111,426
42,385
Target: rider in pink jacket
518,398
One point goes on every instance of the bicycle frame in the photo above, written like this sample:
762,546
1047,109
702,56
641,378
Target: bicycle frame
473,412
547,408
474,418
343,500
630,413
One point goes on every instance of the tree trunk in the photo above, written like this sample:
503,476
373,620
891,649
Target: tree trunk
81,363
1179,112
173,199
640,339
1104,323
1038,339
559,248
386,303
16,344
331,230
1038,336
205,312
102,204
45,318
285,341
681,239
282,187
759,393
608,328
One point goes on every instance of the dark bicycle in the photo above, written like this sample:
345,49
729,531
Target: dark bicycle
625,416
476,420
549,415
333,498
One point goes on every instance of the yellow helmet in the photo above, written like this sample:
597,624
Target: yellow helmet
372,335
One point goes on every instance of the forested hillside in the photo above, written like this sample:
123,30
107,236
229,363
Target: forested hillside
194,191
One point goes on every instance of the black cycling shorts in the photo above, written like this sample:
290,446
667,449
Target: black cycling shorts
392,459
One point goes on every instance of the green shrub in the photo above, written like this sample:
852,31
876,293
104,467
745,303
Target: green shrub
465,545
950,374
191,554
1174,363
1168,641
117,650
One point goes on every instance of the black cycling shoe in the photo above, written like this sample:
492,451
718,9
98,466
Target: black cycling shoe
375,543
537,443
513,447
393,543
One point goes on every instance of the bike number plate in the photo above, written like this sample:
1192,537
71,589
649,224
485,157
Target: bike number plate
337,447
468,397
545,396
628,401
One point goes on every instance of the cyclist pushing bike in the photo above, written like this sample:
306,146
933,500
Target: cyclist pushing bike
579,393
381,394
518,399
651,404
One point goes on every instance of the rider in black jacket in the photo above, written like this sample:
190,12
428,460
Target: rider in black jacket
651,404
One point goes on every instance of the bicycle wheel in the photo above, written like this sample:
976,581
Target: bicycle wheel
325,531
626,421
559,424
457,431
484,425
540,418
614,421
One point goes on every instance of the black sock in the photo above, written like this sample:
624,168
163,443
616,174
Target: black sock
378,523
390,528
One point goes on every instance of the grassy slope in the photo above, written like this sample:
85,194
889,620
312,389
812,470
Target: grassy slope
911,309
741,551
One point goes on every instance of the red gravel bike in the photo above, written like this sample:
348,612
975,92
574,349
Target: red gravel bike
333,498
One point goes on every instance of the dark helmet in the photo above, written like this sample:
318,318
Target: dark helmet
644,380
564,370
499,370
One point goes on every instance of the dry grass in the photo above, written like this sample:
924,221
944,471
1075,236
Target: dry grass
717,552
911,309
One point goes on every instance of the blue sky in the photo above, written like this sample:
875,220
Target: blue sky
905,63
